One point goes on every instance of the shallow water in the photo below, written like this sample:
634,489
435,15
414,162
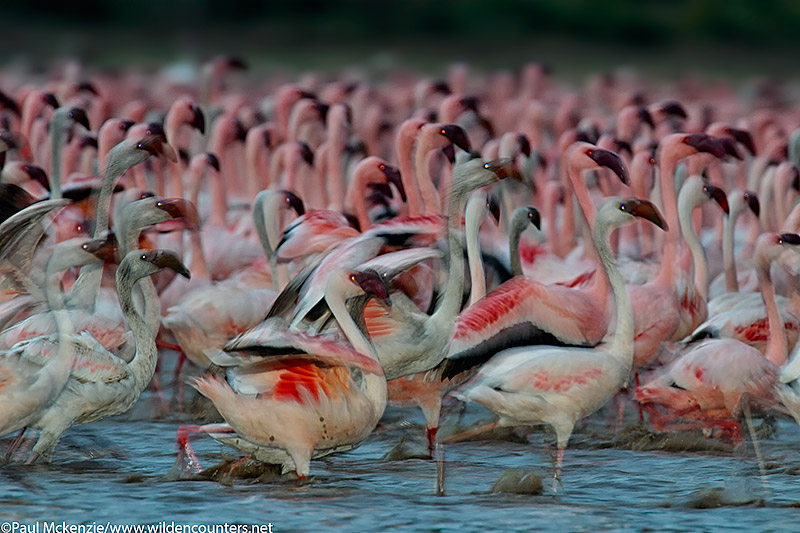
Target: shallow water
114,471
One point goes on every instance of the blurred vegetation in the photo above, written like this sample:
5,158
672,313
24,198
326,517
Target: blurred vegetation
41,28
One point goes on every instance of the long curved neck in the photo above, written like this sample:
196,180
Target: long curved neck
699,261
669,205
333,297
219,201
143,365
451,301
474,217
514,236
355,198
777,345
430,197
337,139
621,347
405,144
731,280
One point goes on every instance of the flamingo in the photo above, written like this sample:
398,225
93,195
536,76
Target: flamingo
324,395
708,382
112,386
560,385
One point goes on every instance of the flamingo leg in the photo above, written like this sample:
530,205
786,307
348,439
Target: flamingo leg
638,405
15,444
557,469
469,433
431,434
185,448
177,379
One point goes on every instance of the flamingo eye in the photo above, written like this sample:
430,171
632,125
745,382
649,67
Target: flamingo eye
78,227
590,153
486,166
352,277
686,140
85,246
652,161
144,257
382,167
140,146
623,207
442,131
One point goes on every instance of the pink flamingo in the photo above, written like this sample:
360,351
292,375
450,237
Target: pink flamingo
560,385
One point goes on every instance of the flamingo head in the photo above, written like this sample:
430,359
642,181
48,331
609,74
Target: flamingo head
608,159
178,208
372,284
642,209
752,202
79,116
292,201
718,195
165,259
393,176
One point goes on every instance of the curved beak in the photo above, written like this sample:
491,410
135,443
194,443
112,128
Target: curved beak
718,195
646,210
294,202
449,152
235,63
381,189
9,103
524,144
79,116
440,87
38,175
103,249
493,205
322,109
752,202
608,159
674,109
306,153
796,180
213,161
702,142
504,168
469,103
168,259
198,121
51,100
155,144
241,133
744,137
790,238
180,208
89,141
534,217
126,124
457,136
372,283
729,143
88,87
645,116
393,175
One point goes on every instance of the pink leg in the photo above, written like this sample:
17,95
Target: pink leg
15,444
431,434
168,345
557,468
185,448
638,405
177,379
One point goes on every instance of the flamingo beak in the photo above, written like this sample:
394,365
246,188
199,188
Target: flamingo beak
469,103
753,203
235,63
457,136
729,143
535,217
38,175
198,121
494,207
51,100
294,202
213,161
168,259
372,283
674,109
524,145
306,153
718,195
790,238
745,138
89,141
608,159
6,102
103,249
180,208
79,116
703,142
646,210
155,144
393,175
126,124
503,168
645,116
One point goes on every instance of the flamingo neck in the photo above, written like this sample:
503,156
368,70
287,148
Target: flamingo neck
621,346
197,260
449,304
57,132
729,261
219,201
336,184
475,212
699,261
430,198
143,364
404,147
335,300
777,346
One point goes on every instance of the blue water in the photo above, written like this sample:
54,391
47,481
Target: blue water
114,471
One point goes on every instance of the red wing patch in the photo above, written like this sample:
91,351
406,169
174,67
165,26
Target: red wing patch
302,376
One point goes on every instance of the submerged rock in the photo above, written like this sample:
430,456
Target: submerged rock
407,448
640,438
518,481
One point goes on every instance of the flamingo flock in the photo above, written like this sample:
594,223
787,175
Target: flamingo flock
307,253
